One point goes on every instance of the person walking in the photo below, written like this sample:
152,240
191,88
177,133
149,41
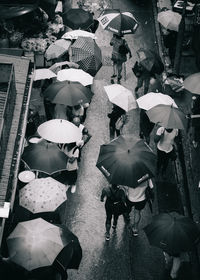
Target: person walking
195,120
120,124
116,113
136,197
165,138
146,126
71,150
115,205
119,55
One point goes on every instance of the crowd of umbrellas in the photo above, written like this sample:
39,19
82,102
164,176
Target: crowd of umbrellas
126,160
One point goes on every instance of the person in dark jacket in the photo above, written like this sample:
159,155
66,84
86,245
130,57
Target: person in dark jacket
116,113
113,195
169,40
146,126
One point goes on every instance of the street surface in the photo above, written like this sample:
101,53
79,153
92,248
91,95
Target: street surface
124,257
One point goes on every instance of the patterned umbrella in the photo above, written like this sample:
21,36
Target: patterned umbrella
118,22
42,195
57,49
87,54
77,18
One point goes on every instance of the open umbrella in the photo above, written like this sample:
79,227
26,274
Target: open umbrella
150,60
121,97
42,74
75,75
71,35
59,131
77,19
172,232
58,66
118,22
44,157
57,49
167,116
68,93
152,99
12,9
169,19
127,161
87,54
42,195
192,84
37,243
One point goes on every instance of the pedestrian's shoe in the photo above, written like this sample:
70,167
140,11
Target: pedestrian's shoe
118,81
112,81
113,76
114,226
195,144
107,235
73,189
135,232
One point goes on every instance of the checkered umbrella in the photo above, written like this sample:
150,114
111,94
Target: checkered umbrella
87,54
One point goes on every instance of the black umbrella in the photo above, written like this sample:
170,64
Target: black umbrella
77,19
150,60
172,232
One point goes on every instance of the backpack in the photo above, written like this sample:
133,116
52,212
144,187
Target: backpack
123,50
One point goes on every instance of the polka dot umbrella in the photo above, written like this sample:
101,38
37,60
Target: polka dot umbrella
42,195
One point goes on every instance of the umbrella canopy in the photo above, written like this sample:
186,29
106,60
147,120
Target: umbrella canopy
127,161
16,9
87,54
192,84
75,75
44,157
71,35
37,243
153,99
172,232
42,195
167,116
66,93
57,49
59,131
118,22
121,96
42,74
169,19
150,60
58,66
77,19
71,255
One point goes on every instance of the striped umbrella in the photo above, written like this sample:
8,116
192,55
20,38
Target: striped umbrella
87,54
118,22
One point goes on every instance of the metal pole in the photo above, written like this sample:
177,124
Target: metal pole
177,60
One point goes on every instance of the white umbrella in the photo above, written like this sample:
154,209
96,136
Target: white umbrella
57,49
121,96
59,131
42,195
75,75
58,66
42,74
169,19
153,99
76,33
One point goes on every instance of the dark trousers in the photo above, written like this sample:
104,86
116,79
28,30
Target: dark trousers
109,216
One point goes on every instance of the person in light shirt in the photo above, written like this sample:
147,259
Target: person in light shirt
136,198
165,147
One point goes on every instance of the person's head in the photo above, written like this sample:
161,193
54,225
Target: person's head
77,107
69,146
169,129
76,121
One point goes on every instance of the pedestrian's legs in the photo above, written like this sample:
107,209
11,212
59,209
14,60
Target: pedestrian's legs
115,221
136,220
117,132
112,131
146,84
139,85
72,179
108,223
119,69
114,69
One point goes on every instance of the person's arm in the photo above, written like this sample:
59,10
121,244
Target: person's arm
175,267
103,194
159,134
129,51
